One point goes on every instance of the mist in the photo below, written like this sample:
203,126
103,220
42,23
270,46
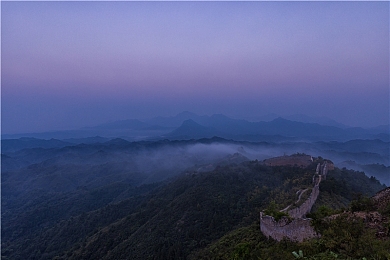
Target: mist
138,163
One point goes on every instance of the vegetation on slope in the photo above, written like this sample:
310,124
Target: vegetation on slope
345,234
175,220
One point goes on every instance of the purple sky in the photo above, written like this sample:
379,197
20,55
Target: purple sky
73,64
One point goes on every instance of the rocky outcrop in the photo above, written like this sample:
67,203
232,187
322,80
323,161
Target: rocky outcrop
382,199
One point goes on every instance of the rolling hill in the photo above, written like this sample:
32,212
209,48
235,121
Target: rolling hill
98,201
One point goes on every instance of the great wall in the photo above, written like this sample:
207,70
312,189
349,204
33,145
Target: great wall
296,227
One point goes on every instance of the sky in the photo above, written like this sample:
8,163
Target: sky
66,65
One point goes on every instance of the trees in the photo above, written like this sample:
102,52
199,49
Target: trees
273,211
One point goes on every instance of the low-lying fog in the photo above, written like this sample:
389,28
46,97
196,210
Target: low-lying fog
139,163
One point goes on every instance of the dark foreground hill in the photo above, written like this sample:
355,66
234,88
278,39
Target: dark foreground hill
192,215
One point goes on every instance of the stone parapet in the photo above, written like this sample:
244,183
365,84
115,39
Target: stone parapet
305,208
295,230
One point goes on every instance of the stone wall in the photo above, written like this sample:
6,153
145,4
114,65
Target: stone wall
324,170
299,228
296,230
305,208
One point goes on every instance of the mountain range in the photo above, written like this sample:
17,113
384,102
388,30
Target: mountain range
187,125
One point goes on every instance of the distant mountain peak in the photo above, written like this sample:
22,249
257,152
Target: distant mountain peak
117,141
191,129
191,123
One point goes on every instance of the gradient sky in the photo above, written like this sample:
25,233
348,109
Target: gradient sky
72,64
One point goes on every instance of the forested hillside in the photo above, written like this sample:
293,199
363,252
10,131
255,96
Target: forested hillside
171,219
